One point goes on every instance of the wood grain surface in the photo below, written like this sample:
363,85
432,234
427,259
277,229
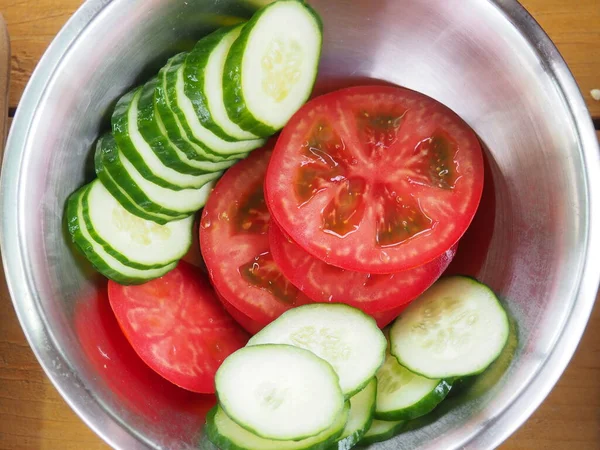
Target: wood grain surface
34,416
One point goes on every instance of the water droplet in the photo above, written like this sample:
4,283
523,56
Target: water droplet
384,257
330,298
205,222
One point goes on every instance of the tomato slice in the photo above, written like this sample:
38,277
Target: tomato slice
375,179
251,326
475,243
371,293
384,318
117,365
235,244
177,326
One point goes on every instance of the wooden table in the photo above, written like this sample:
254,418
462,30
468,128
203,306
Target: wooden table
34,416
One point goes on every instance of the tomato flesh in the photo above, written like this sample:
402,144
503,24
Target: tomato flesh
376,179
177,326
235,244
251,326
117,365
372,293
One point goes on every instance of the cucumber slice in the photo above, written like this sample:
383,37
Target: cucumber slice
456,328
227,435
342,335
203,83
362,407
183,109
403,395
153,131
140,154
173,127
138,243
149,196
272,66
140,207
203,77
103,262
382,430
474,387
127,202
273,391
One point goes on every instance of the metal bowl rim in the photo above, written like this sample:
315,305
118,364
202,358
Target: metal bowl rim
115,433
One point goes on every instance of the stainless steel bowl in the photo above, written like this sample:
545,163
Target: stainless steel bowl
487,60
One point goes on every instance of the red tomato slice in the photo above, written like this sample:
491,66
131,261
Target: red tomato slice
251,326
475,243
117,365
375,179
177,326
384,318
235,244
369,292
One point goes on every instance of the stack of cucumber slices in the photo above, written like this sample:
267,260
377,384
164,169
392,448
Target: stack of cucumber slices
323,376
173,137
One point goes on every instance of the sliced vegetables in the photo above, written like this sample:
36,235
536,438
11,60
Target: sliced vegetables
288,385
313,242
151,127
183,108
403,395
362,406
344,336
136,242
375,179
382,431
139,153
94,251
235,244
372,293
260,387
456,328
177,326
149,196
203,83
228,435
173,136
272,66
275,391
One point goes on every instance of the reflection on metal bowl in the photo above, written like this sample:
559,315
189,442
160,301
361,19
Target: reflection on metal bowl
486,59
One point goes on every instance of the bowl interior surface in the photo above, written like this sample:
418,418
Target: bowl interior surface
529,242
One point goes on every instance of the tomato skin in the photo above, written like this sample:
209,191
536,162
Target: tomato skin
235,244
251,326
177,326
384,318
475,243
371,293
375,179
